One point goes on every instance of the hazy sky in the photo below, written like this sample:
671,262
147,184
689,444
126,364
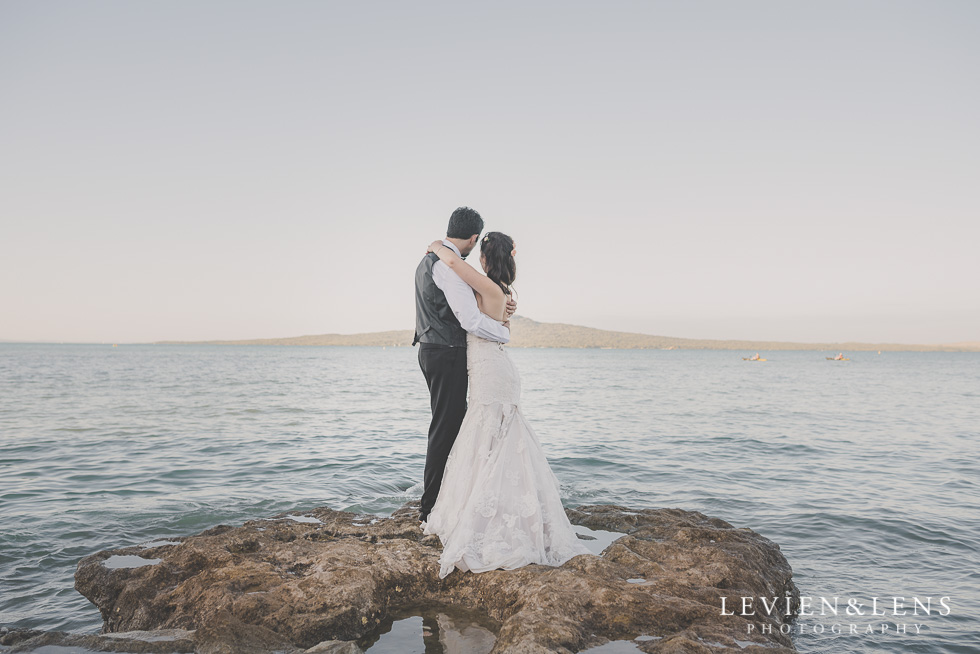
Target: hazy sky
772,170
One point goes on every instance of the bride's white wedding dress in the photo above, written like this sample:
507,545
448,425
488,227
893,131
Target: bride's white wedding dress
499,504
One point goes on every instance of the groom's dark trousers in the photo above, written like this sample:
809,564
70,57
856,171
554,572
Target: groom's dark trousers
444,368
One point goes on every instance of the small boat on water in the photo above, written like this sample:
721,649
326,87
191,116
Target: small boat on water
836,359
751,359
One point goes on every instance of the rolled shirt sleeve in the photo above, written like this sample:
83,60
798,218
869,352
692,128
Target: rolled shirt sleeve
462,301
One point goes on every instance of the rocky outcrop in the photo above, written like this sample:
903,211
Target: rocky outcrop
159,641
323,578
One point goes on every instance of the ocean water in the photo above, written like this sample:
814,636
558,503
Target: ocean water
865,472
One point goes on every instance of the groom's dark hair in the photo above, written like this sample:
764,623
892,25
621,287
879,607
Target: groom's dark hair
464,223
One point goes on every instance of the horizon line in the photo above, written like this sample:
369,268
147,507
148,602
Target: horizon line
384,331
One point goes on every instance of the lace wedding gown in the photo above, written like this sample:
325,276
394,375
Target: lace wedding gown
499,504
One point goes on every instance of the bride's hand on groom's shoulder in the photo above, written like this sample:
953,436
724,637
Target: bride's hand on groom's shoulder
433,246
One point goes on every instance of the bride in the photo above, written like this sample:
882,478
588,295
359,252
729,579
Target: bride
499,504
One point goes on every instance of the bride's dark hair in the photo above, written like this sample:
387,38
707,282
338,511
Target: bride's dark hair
501,267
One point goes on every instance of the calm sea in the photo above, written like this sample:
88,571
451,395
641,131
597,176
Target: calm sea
866,472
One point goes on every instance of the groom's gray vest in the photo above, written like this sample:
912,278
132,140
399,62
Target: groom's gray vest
434,320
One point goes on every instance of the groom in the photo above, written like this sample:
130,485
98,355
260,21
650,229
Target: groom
445,309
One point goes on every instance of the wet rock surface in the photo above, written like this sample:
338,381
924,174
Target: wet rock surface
159,641
333,581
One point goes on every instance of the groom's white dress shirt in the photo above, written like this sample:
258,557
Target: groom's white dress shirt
462,301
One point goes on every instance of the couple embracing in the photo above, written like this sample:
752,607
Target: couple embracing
489,493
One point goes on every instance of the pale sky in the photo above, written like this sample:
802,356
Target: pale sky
765,170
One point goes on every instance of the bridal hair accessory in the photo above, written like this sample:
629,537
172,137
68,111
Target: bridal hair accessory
513,251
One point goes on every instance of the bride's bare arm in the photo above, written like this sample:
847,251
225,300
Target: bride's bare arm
478,282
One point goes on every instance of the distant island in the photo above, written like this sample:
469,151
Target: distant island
530,333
